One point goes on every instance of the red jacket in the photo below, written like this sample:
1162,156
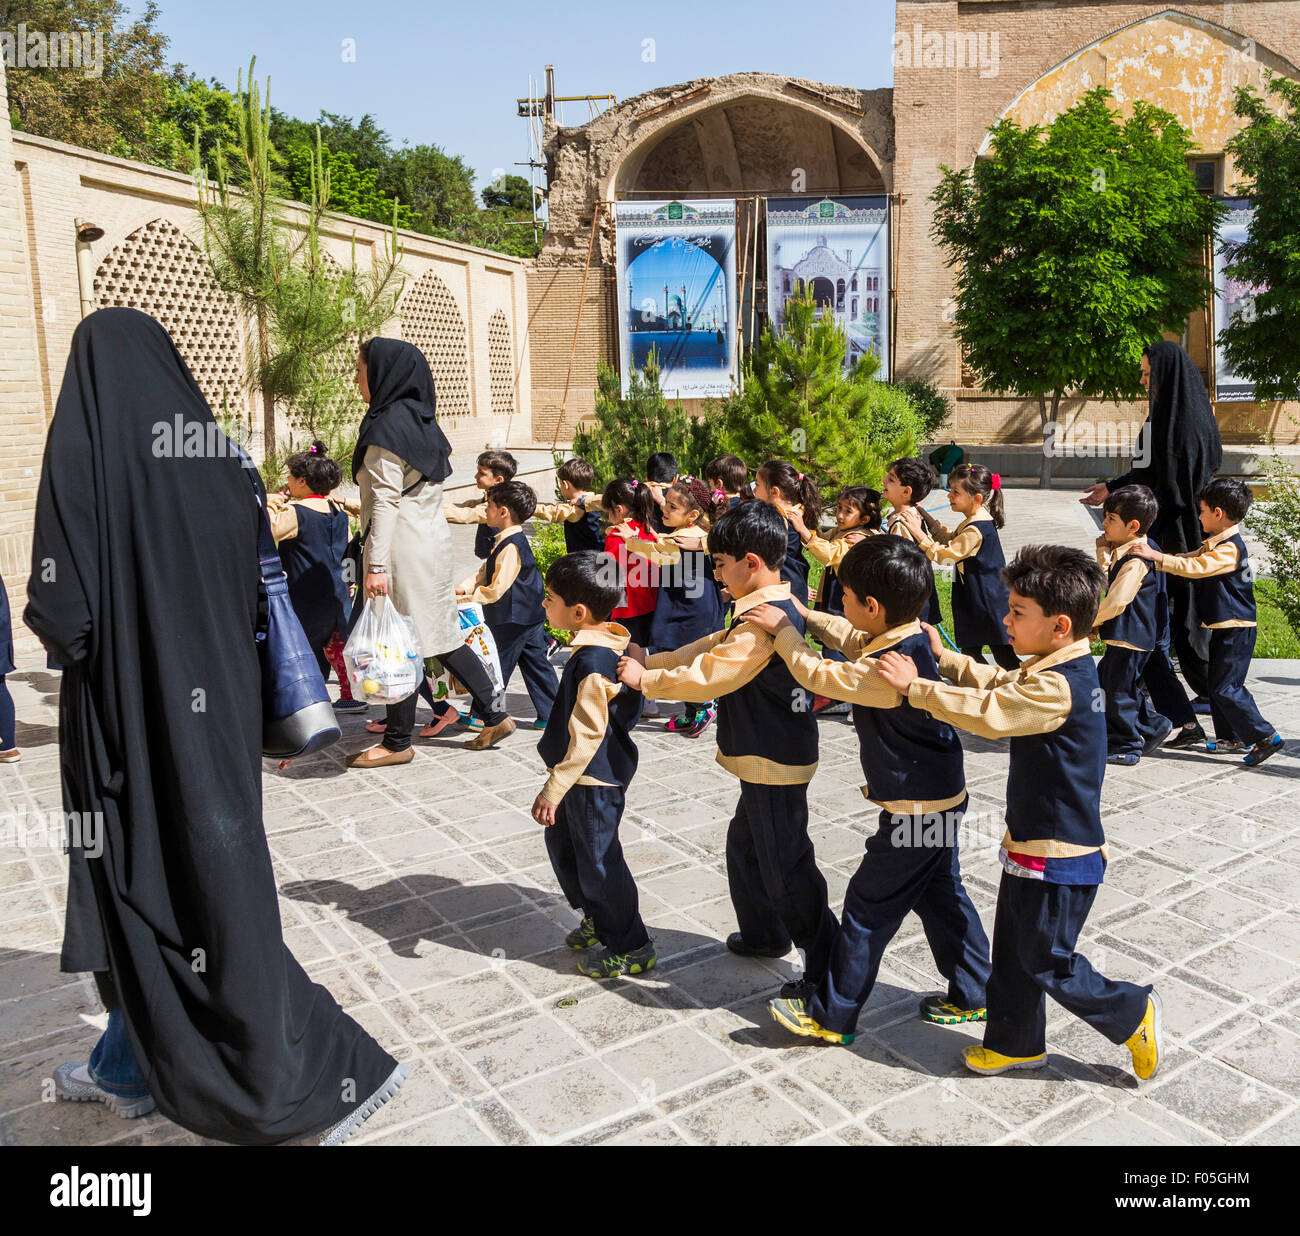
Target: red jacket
635,570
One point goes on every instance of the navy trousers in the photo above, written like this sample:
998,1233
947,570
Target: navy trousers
1130,719
899,873
1168,696
776,888
525,646
1034,933
588,862
1231,706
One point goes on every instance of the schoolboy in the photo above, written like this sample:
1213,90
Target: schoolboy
767,738
509,588
1053,854
590,760
1222,583
1128,622
914,773
579,508
908,483
491,468
660,473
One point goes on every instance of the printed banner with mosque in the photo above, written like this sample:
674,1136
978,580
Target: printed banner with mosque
838,246
677,293
1231,298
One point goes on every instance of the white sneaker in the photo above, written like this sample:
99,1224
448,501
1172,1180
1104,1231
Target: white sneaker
74,1083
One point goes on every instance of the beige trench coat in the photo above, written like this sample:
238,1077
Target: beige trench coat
408,534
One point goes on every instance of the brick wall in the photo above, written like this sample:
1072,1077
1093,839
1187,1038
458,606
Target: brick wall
553,299
46,185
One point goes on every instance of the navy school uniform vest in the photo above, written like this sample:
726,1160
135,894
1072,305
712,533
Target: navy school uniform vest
1140,622
484,538
1054,783
794,570
616,758
980,599
771,716
313,566
1227,598
522,603
906,753
687,606
584,533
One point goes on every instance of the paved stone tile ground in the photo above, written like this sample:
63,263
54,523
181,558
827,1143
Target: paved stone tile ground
422,897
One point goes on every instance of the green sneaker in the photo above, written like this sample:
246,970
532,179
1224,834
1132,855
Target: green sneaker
938,1010
608,964
583,936
793,1015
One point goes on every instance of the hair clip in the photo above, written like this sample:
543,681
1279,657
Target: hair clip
718,495
635,482
800,478
996,481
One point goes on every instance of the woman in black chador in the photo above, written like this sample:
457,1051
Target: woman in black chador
145,588
1181,452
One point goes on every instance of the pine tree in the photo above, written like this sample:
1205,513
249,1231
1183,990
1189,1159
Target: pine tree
307,314
799,402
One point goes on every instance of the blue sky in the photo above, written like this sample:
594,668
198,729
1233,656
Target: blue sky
449,74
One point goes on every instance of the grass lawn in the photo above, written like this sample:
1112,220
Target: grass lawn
1275,638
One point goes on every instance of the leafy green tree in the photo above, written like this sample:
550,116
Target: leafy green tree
121,110
438,187
352,191
363,139
798,402
1275,520
1262,346
511,192
1076,246
307,315
206,109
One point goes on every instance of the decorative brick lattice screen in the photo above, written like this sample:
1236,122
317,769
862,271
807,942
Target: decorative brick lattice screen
431,321
501,365
158,270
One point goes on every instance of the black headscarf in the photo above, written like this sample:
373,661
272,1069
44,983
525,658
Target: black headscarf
145,588
403,411
1182,446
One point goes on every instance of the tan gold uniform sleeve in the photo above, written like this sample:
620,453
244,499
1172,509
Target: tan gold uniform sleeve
966,671
587,725
465,512
661,553
284,520
837,633
736,658
1221,560
685,654
1035,704
507,572
829,553
1119,596
965,544
854,681
558,512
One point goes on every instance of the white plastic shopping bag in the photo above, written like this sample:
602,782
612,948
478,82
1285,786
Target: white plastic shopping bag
477,637
382,654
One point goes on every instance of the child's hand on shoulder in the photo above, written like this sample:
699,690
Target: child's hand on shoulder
543,811
1142,549
636,652
793,518
630,672
936,640
767,618
912,521
897,670
799,605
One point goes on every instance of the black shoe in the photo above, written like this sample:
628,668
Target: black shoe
1188,736
1262,750
736,943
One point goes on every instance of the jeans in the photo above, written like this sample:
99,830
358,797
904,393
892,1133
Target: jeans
112,1063
8,741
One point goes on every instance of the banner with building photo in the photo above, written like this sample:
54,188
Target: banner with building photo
838,246
677,293
1230,298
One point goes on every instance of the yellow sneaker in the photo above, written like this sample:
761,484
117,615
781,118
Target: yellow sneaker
1145,1042
983,1060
